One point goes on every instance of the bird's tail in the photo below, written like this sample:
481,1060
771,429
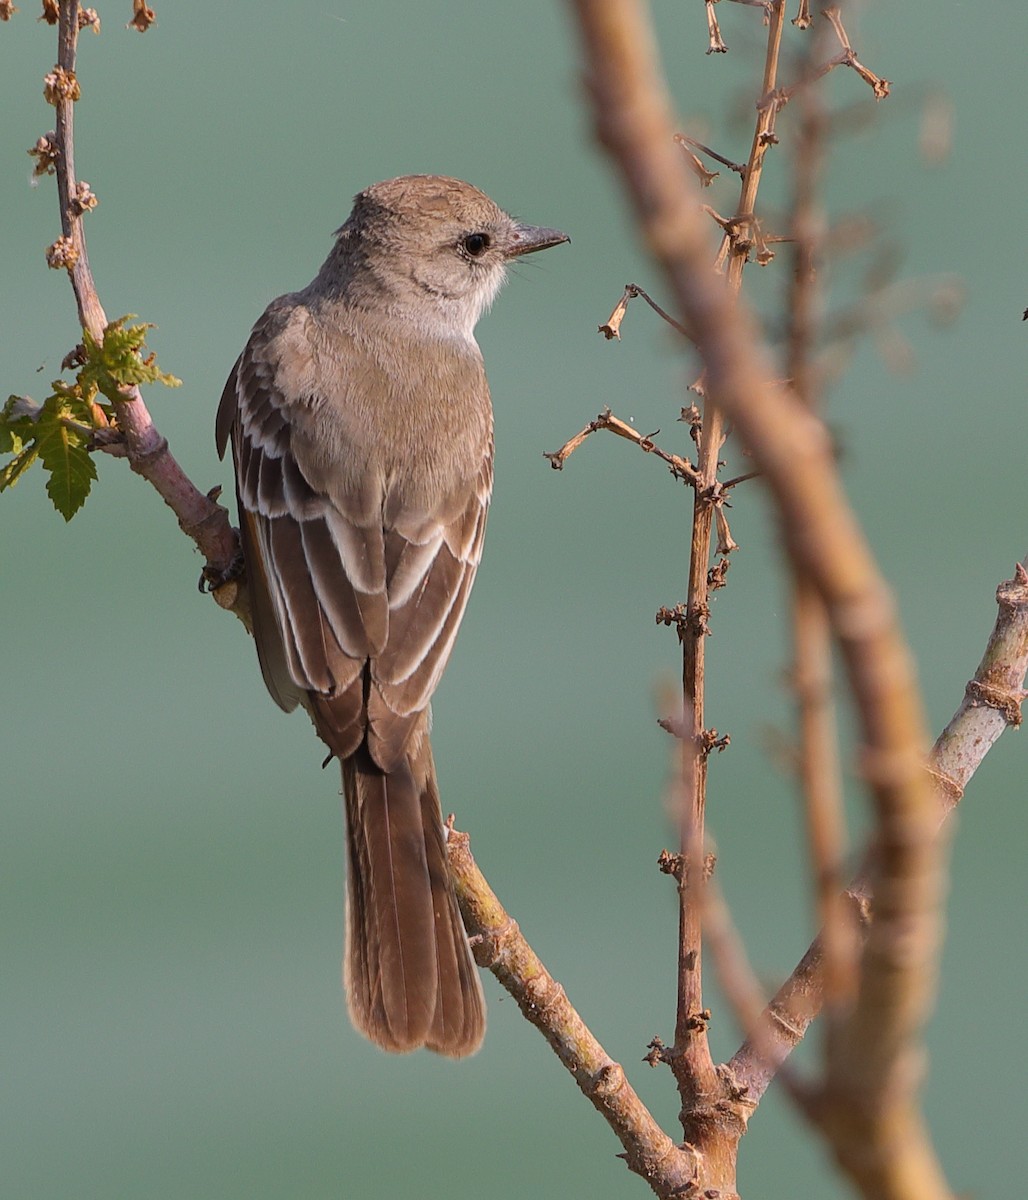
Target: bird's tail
410,978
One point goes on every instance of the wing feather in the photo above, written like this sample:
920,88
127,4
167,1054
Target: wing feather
341,605
361,617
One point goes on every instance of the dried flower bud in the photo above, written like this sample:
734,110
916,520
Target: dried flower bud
62,254
725,542
45,153
83,201
7,10
803,18
89,17
60,85
611,328
142,16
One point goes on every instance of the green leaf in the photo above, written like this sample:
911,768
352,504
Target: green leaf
11,442
17,424
17,437
12,471
59,433
117,361
64,454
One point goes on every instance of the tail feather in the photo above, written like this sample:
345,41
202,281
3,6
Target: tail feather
459,1022
409,975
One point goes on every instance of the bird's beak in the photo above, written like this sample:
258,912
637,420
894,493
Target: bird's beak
529,238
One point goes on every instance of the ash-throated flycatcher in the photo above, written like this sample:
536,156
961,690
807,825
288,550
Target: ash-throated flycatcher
361,433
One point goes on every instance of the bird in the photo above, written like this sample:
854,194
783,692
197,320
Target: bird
361,432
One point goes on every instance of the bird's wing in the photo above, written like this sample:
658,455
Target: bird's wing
431,560
356,607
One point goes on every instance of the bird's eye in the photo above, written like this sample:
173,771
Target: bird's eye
476,244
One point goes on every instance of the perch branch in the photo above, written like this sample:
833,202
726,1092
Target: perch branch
501,947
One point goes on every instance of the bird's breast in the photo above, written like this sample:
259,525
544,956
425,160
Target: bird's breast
401,421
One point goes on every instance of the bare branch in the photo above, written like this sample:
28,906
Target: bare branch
992,699
606,39
692,1063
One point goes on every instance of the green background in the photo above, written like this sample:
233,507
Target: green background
172,1017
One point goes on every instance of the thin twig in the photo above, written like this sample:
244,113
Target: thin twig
611,328
203,520
680,467
684,140
879,86
717,42
737,479
705,176
692,1064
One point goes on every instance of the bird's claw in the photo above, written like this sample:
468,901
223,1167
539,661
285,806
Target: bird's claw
213,577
